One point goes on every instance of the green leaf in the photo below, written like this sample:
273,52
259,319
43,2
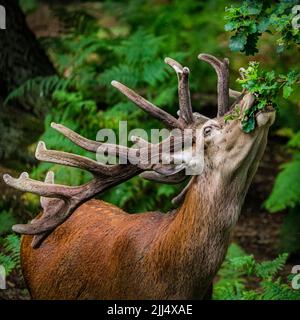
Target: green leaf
248,123
295,140
287,90
237,42
268,269
263,24
230,26
286,191
251,7
7,220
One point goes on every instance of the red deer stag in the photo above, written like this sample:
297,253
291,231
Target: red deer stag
80,249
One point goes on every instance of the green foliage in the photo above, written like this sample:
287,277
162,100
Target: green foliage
239,269
76,21
286,191
252,18
286,195
69,108
10,253
28,5
265,86
290,231
43,85
7,220
138,64
249,21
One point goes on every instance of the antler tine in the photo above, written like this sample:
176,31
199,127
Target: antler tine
90,145
221,67
139,142
45,224
157,177
185,106
47,204
147,106
24,183
84,143
148,152
151,152
74,160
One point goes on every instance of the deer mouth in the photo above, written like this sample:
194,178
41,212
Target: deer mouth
265,117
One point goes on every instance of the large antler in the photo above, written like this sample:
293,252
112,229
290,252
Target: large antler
60,201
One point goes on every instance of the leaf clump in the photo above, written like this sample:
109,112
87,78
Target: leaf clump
266,86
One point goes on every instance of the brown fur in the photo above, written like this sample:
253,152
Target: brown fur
101,252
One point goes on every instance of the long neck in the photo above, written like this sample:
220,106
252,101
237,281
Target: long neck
211,203
198,236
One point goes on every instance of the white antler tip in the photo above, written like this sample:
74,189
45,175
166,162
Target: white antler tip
7,178
49,177
186,70
134,138
42,145
39,149
174,64
17,228
206,57
24,175
115,83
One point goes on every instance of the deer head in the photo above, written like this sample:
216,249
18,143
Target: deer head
230,155
230,151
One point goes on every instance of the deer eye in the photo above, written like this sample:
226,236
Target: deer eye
207,130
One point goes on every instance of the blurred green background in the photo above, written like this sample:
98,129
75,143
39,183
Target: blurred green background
57,62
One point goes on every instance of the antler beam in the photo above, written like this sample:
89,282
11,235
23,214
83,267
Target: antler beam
157,177
185,106
147,106
222,70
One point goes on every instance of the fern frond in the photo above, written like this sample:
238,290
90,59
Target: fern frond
10,257
295,141
233,274
134,53
278,291
269,269
123,73
75,20
44,86
286,191
7,220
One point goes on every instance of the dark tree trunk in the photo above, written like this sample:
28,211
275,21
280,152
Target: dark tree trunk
21,58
